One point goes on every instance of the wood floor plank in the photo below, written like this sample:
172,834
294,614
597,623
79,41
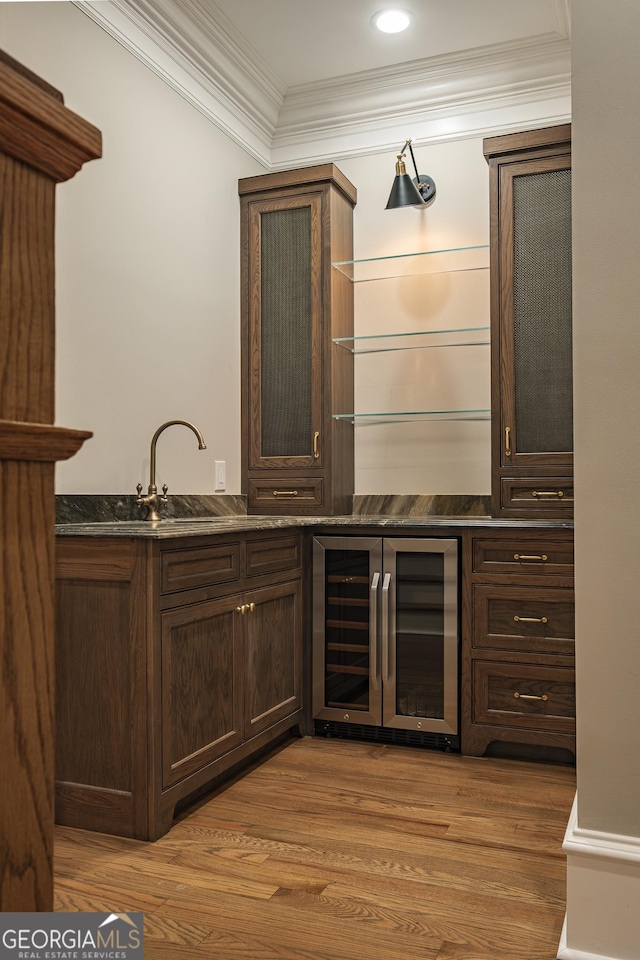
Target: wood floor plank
362,934
338,850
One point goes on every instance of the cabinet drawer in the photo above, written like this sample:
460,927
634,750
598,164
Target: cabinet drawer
541,557
550,495
524,619
290,492
523,695
271,556
199,567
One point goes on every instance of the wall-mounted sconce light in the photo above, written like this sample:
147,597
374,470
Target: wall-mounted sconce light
406,192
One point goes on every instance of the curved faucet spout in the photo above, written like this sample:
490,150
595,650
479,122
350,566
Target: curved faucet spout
152,501
154,440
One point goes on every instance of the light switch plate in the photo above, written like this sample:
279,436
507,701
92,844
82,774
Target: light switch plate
220,475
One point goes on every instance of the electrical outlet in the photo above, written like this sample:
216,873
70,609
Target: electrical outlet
220,474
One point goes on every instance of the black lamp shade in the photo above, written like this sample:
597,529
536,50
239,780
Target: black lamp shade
404,193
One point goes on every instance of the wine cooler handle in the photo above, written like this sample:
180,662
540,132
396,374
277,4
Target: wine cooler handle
373,631
385,629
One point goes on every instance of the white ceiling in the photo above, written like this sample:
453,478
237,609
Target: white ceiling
304,41
296,82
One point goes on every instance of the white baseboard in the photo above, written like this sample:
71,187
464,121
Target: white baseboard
603,895
565,953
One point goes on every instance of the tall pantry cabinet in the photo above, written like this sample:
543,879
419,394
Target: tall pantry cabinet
532,436
296,458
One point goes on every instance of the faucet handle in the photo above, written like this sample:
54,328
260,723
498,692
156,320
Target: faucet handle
164,498
139,489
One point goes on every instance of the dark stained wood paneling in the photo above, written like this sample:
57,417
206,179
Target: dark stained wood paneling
187,569
530,621
177,679
38,441
526,493
40,142
528,153
323,172
544,139
202,685
26,644
99,558
27,282
325,482
541,557
287,495
502,656
524,696
93,666
272,555
273,642
37,129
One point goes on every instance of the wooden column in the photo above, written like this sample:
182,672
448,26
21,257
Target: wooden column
41,143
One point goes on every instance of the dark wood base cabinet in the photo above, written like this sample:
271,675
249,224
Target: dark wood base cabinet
518,688
177,660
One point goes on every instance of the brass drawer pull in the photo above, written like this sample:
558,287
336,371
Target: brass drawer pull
285,493
242,609
530,619
316,452
522,556
547,493
252,607
528,696
507,441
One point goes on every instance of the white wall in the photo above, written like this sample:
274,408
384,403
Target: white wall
606,146
603,841
420,457
148,284
147,265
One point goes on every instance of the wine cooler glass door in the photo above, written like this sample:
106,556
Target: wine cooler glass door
419,632
346,662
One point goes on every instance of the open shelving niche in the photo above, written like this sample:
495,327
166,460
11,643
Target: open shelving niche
428,262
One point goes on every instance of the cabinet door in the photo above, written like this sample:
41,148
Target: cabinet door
535,335
201,685
273,655
531,323
285,329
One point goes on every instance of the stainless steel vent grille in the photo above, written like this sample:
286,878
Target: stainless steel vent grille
361,731
542,312
286,333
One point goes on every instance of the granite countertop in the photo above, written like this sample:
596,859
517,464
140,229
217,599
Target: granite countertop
201,526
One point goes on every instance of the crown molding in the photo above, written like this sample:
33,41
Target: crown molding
511,86
196,50
485,91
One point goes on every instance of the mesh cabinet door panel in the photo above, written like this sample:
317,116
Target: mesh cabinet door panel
286,333
542,312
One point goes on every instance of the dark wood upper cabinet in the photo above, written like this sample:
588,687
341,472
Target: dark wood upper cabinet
296,458
531,323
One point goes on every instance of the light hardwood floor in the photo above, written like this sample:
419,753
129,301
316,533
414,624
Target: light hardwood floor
337,850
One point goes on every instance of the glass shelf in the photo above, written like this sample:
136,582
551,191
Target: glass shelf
449,260
426,416
384,342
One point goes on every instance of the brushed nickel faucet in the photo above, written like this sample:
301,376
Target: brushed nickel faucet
152,501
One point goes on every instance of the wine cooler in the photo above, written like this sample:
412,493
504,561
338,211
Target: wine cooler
385,637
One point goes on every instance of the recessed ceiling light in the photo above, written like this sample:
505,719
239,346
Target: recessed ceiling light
391,21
